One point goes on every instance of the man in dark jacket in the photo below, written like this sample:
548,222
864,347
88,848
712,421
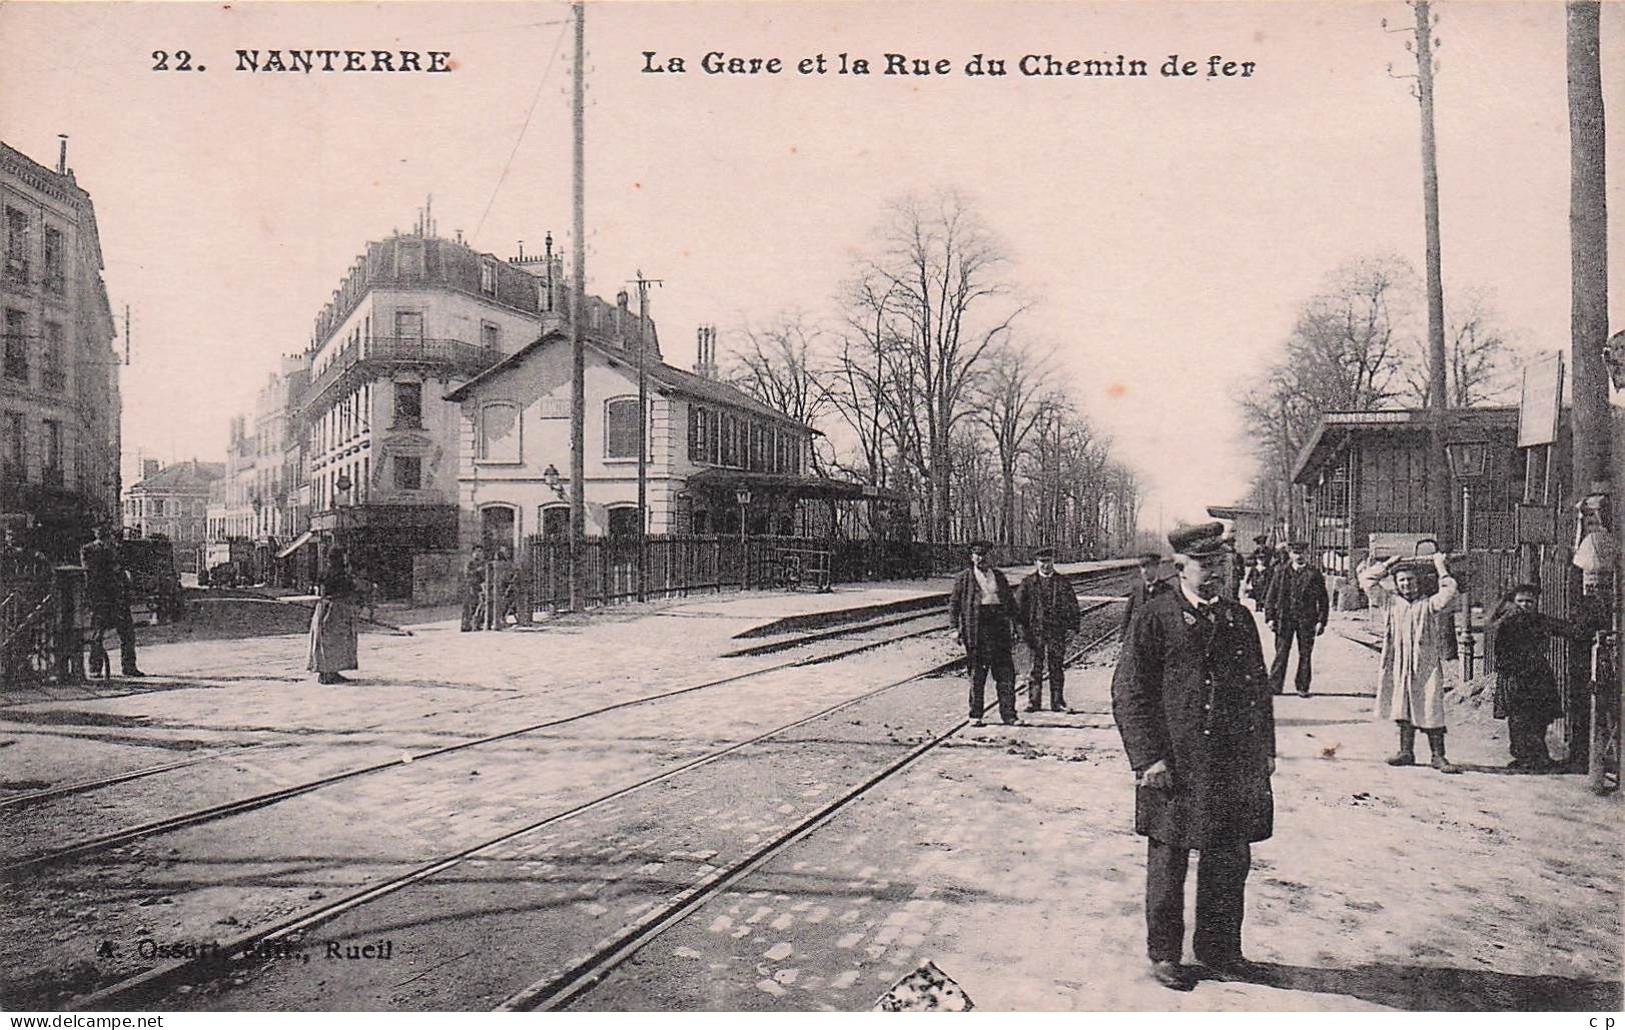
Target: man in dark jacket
1049,610
474,591
1150,584
107,589
1526,693
983,611
1192,702
1296,609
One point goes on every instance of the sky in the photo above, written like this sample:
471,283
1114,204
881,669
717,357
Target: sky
1166,229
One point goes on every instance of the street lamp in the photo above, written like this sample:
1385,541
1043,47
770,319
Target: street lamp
554,481
1469,460
742,497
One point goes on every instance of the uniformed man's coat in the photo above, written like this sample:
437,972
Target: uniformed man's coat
1191,690
1049,607
965,600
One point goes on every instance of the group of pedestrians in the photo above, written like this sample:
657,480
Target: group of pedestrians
988,615
1194,704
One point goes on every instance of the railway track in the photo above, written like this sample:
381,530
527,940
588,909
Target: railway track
557,992
289,929
212,813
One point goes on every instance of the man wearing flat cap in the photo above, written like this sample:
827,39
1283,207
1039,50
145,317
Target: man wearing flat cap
1049,610
982,609
1192,701
1149,585
1296,608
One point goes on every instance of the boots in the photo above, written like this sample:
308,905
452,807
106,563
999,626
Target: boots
1407,746
1436,745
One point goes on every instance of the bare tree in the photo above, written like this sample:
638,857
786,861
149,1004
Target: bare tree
1347,352
1007,400
776,364
1476,357
937,270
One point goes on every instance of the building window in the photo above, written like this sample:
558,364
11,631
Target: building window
698,433
623,521
16,361
499,439
409,325
621,425
16,453
408,473
408,406
55,280
488,278
16,245
729,455
490,335
53,444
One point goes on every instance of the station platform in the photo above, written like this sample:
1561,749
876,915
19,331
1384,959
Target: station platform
796,611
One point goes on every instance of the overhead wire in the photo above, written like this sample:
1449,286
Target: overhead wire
552,59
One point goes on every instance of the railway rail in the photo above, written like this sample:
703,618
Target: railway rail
212,813
582,975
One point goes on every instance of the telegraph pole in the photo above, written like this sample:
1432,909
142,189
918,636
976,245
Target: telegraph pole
1439,493
643,428
578,315
1438,480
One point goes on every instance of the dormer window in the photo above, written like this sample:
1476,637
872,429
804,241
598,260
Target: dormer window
488,278
411,259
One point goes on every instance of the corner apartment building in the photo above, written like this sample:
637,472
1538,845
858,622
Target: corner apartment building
417,316
59,390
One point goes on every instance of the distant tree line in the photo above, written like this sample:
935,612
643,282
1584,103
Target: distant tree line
923,382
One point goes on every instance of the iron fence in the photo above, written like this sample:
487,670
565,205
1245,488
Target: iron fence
677,565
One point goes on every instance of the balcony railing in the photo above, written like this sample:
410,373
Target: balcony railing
383,352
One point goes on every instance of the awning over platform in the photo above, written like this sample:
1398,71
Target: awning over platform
304,538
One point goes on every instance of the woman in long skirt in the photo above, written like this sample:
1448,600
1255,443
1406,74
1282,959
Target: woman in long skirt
332,628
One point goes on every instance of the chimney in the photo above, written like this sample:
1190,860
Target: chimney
149,467
62,154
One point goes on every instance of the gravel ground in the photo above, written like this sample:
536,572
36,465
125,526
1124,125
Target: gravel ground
1005,856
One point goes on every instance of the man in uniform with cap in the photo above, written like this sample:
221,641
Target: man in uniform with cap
1049,611
1149,585
982,609
1296,608
1191,698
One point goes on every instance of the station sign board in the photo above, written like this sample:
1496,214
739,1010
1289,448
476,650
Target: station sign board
1540,402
